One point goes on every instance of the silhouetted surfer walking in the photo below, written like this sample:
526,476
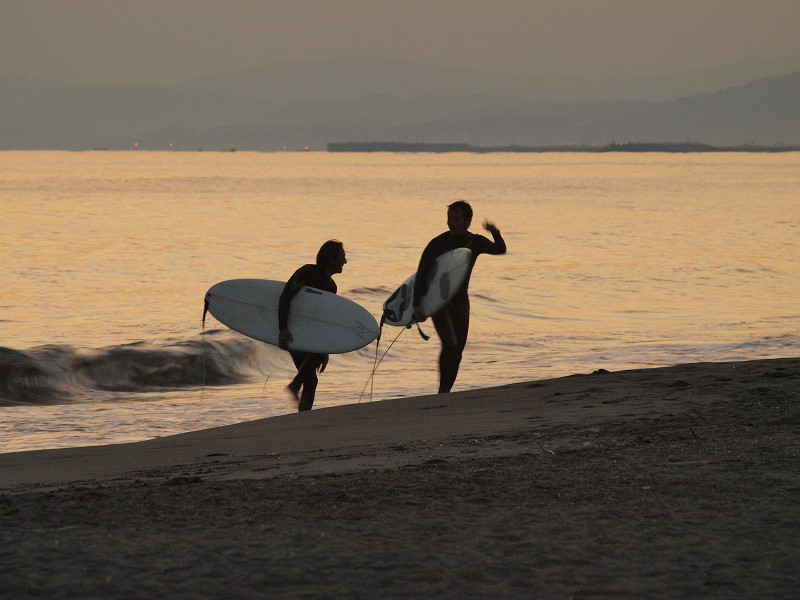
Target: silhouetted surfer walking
452,321
330,260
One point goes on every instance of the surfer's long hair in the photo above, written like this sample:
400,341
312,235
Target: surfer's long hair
328,252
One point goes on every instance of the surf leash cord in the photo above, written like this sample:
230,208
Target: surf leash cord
377,363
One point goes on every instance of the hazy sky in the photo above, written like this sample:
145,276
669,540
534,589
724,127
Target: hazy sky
163,41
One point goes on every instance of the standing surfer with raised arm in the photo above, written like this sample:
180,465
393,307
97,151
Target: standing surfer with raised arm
452,321
330,261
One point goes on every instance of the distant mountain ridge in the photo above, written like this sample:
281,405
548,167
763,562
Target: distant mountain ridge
288,107
348,78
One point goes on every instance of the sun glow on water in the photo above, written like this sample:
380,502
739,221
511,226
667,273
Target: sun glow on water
615,261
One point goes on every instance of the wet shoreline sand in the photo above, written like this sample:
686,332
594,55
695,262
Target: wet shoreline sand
661,483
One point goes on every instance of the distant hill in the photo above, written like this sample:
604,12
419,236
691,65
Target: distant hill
350,78
764,112
340,80
252,114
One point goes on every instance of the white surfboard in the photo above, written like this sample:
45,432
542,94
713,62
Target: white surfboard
445,278
320,321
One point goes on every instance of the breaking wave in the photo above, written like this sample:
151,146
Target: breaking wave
56,374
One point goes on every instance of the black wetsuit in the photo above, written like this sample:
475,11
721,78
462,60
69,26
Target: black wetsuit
307,363
452,321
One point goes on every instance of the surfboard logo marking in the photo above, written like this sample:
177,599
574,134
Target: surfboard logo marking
362,331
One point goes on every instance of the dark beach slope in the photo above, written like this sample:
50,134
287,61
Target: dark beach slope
679,482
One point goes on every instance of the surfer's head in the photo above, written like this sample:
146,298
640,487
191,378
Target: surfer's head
459,216
331,256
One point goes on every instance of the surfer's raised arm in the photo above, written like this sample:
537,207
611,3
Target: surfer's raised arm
500,243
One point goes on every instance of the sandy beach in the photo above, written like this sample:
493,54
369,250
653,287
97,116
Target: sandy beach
678,482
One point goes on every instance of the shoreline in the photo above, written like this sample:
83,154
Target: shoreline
477,411
669,482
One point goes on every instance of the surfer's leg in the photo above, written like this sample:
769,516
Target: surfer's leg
447,371
294,390
449,355
452,325
294,387
308,376
307,397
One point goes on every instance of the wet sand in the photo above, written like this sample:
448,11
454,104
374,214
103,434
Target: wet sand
679,482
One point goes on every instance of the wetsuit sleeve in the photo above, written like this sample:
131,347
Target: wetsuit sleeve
421,279
310,275
296,281
482,245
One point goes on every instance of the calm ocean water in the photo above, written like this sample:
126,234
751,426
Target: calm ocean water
615,261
